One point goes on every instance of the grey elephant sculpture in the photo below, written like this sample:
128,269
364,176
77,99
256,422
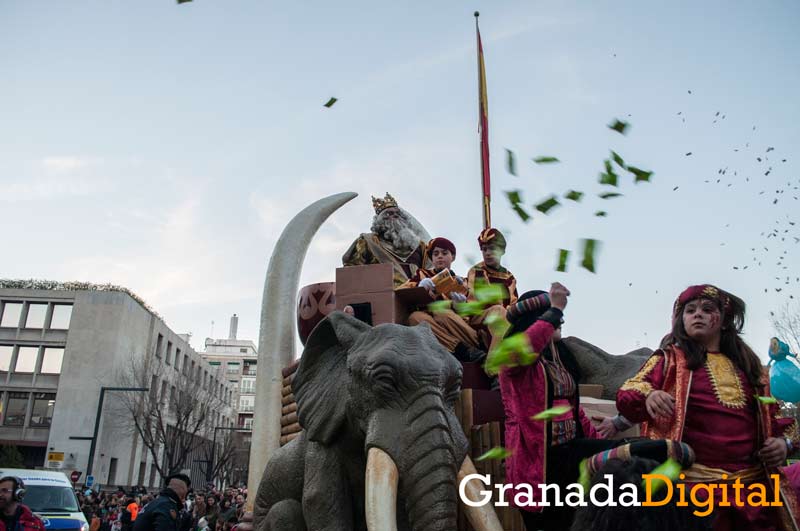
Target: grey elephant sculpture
381,446
599,367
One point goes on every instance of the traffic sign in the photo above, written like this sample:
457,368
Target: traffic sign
75,476
89,481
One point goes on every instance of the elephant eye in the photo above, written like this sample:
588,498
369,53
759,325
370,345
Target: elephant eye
385,380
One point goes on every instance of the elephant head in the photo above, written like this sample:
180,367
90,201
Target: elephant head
388,392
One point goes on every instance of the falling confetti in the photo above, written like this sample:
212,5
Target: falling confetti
609,195
498,452
573,195
329,103
513,351
766,399
545,160
547,204
589,249
619,126
438,307
553,412
641,175
601,213
669,468
511,162
563,256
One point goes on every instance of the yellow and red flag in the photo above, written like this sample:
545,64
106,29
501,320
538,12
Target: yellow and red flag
483,130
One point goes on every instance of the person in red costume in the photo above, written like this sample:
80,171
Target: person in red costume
701,387
545,451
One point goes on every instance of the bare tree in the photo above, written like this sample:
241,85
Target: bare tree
176,417
786,322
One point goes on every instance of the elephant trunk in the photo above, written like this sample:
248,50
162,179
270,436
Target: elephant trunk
429,470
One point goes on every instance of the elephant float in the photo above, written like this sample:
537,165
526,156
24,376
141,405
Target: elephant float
381,446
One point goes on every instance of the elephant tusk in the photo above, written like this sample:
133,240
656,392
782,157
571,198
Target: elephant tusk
480,518
381,491
276,337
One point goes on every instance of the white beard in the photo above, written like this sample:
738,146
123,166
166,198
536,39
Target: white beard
397,233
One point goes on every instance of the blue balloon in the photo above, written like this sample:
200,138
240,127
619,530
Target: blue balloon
784,375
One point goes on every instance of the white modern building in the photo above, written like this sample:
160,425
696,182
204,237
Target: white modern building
237,358
60,343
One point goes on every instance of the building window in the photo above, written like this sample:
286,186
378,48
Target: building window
36,314
11,314
153,395
246,403
16,409
232,368
5,357
185,364
248,386
167,358
51,361
153,471
26,359
163,391
112,471
62,313
243,350
248,423
43,405
159,344
178,359
214,363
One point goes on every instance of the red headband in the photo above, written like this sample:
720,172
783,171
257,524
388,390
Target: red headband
705,291
441,243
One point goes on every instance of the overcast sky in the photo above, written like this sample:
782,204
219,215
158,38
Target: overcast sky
164,147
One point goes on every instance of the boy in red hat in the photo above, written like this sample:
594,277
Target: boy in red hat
452,331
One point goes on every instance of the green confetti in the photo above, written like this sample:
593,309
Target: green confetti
489,294
609,195
641,175
498,452
514,196
524,216
584,479
618,159
549,414
184,1
511,162
497,325
669,468
467,309
503,354
438,307
563,256
601,213
766,399
545,160
619,126
330,102
589,250
547,204
573,195
609,177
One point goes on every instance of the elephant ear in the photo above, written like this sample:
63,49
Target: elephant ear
320,383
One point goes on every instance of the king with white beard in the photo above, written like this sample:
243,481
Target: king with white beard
395,239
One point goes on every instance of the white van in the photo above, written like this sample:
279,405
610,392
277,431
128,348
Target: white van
50,496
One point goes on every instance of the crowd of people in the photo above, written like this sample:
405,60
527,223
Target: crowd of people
202,510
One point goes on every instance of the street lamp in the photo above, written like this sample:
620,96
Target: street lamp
210,469
97,419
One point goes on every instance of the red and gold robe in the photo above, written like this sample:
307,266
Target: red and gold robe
369,249
718,415
501,276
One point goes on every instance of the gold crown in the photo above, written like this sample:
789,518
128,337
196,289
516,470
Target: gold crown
382,204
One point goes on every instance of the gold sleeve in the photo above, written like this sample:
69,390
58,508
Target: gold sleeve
640,382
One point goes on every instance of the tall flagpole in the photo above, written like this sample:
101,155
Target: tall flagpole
483,131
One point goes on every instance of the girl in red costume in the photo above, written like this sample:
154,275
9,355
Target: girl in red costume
701,388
